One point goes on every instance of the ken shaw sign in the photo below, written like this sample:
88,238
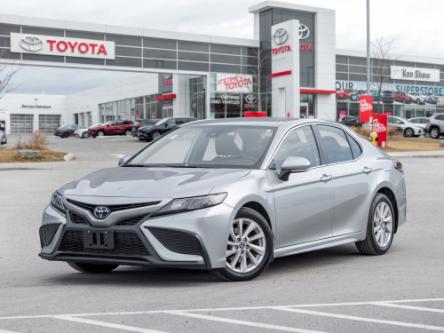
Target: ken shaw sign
414,74
62,46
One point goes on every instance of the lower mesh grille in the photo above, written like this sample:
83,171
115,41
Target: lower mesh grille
177,241
125,243
77,219
47,232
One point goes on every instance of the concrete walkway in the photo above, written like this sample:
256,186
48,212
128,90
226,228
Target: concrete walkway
408,154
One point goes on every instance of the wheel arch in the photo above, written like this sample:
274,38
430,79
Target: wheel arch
391,195
260,209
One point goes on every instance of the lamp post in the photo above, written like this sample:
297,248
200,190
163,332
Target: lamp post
368,47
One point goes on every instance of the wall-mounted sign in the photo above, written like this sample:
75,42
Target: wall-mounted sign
414,74
62,46
35,106
407,88
226,99
234,83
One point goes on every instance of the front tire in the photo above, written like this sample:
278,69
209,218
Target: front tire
380,227
100,133
155,135
85,135
92,268
408,132
249,248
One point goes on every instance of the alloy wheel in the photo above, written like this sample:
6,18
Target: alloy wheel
246,247
383,224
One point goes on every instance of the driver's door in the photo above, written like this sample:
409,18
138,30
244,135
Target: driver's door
304,204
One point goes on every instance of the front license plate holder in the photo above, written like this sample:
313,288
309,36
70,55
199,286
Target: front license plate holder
98,239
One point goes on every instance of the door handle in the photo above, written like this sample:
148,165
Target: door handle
367,170
326,178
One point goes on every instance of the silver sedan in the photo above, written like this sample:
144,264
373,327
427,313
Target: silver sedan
229,196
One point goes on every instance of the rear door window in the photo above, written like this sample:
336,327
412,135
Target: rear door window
334,144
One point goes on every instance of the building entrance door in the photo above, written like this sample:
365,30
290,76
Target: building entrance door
304,110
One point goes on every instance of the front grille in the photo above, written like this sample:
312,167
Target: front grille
47,232
125,243
178,241
131,220
113,208
77,219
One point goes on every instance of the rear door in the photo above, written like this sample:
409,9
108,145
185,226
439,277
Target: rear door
304,204
351,173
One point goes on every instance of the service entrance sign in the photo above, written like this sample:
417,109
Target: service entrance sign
62,46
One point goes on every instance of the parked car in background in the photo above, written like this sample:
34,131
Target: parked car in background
3,139
436,125
350,121
402,97
66,130
418,98
342,94
432,99
117,127
152,132
141,123
387,96
407,128
84,132
419,121
229,196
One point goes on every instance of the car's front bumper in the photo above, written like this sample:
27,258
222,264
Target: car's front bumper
194,239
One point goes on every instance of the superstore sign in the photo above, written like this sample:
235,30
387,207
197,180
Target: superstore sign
235,83
407,88
62,46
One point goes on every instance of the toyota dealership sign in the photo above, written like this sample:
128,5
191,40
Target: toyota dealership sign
62,46
234,83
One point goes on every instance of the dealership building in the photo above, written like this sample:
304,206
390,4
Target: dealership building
290,68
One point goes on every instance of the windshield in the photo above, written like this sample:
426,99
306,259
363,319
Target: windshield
217,146
145,122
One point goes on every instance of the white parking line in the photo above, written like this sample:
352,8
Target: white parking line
408,307
241,322
4,331
363,319
107,324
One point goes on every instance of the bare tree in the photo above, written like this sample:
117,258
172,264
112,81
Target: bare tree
7,72
381,50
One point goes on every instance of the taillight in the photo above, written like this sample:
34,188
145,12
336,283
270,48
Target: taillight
398,166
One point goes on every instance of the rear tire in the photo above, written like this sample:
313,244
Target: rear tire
248,253
380,227
92,268
85,135
434,133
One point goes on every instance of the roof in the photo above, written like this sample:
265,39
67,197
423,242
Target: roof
266,122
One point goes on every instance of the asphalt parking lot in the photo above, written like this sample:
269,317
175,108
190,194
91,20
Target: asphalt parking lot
335,290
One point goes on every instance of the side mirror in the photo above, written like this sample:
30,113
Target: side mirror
293,164
123,160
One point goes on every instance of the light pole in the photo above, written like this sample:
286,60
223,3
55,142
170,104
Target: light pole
368,47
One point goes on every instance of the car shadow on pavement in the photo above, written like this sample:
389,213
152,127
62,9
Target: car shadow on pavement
145,276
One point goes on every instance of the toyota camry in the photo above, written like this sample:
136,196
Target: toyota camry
229,196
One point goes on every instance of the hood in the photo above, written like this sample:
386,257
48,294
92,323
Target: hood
154,183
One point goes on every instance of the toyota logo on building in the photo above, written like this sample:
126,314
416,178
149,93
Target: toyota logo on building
304,32
280,36
101,212
31,44
250,99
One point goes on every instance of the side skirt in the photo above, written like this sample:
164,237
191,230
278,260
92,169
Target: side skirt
317,245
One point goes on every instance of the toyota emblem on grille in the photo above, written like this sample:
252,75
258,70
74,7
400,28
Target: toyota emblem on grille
31,44
101,212
280,36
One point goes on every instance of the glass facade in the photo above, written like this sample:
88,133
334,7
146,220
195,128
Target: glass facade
144,107
403,98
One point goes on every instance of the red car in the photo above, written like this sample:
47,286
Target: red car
343,94
118,127
402,97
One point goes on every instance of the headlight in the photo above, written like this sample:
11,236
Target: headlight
192,203
57,202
